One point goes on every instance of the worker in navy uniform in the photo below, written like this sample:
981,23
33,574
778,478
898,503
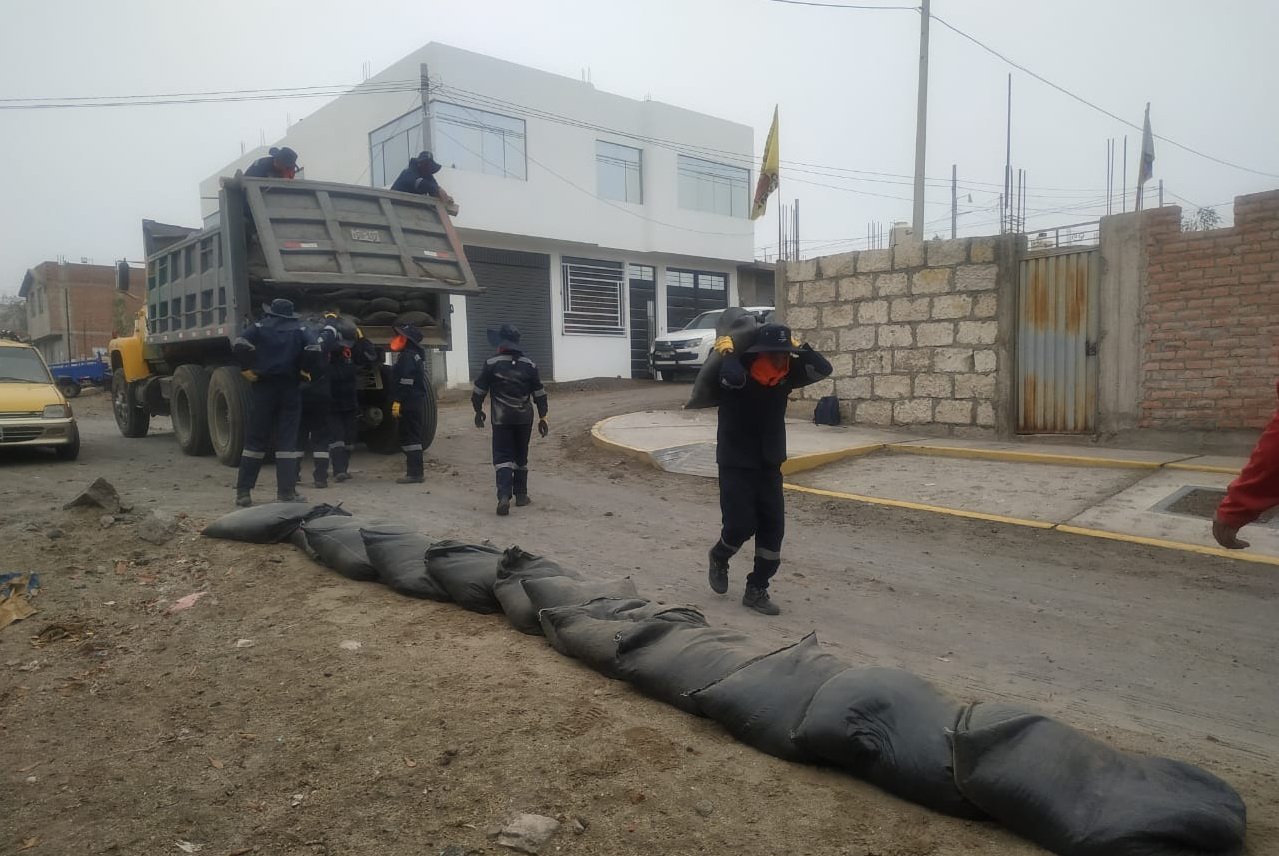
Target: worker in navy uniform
353,352
419,177
512,383
275,353
315,423
751,447
408,393
278,163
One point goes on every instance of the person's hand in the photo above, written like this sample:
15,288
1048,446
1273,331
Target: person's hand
732,374
250,375
479,419
306,376
1228,536
543,427
395,410
724,345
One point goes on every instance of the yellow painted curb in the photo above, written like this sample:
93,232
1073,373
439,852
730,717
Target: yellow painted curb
1202,468
1020,457
916,506
803,463
598,438
1222,552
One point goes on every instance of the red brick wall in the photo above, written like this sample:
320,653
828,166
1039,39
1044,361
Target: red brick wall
1211,319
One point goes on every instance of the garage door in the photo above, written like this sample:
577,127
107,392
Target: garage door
517,290
689,293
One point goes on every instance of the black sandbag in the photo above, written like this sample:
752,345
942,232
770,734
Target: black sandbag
298,539
670,659
1076,796
384,304
270,523
515,567
379,319
550,592
742,327
762,702
588,632
467,572
399,555
890,728
336,543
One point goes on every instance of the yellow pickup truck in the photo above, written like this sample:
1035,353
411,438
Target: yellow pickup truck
33,411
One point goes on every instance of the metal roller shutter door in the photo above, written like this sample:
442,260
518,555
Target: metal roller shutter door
517,289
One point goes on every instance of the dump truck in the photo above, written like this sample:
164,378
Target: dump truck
376,257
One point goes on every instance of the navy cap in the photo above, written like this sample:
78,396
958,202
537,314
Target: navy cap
773,338
410,332
285,154
280,308
429,160
506,336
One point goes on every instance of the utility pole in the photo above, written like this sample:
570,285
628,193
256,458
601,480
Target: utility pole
1005,206
921,121
1161,193
1123,191
954,200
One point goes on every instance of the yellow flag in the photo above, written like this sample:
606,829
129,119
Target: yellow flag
768,172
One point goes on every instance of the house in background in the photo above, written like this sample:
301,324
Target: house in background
73,310
594,222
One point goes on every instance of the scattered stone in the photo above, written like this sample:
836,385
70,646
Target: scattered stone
456,850
350,645
158,527
244,643
101,494
577,825
448,756
526,832
107,521
54,534
704,809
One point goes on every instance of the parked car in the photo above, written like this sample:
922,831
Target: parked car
72,376
684,351
33,411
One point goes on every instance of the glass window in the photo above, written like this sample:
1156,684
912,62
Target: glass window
593,301
643,272
478,141
391,146
680,279
22,365
713,187
618,172
705,321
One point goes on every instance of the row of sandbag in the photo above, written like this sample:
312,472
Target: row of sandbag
1046,781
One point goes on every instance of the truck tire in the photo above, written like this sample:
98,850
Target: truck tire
189,409
68,387
430,417
228,413
131,418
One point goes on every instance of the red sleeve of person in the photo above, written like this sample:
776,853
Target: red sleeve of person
1255,492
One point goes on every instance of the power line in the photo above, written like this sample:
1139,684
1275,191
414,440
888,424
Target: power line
211,97
843,6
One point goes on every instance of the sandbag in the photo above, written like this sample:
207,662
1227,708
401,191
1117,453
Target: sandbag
384,304
742,326
399,556
667,660
337,543
467,572
380,319
1076,796
416,318
270,523
550,592
762,702
515,567
890,728
588,632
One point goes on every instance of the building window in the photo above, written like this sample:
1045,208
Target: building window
478,141
593,302
645,273
713,187
617,169
391,146
695,279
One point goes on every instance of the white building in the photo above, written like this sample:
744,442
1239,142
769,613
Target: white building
593,221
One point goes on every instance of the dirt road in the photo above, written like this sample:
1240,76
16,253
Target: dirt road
128,729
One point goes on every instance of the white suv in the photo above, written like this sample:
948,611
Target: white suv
684,351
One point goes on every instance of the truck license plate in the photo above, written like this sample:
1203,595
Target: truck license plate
371,236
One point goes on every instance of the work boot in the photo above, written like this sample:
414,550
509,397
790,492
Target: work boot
321,484
718,575
343,477
503,506
758,600
410,480
242,499
293,496
523,500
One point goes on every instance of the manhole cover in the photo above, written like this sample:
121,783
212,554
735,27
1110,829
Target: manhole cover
1202,502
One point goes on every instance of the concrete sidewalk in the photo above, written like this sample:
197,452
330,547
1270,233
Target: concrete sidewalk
1155,498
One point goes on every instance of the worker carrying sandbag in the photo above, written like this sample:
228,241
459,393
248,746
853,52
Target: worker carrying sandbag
751,446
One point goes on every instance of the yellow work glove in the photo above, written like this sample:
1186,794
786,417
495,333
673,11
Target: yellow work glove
395,410
724,345
250,375
794,340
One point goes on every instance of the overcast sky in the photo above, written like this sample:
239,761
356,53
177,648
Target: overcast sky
77,182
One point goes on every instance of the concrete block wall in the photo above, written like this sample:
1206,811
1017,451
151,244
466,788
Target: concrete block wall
919,335
1210,320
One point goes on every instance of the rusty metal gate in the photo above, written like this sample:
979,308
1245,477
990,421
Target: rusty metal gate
1057,328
